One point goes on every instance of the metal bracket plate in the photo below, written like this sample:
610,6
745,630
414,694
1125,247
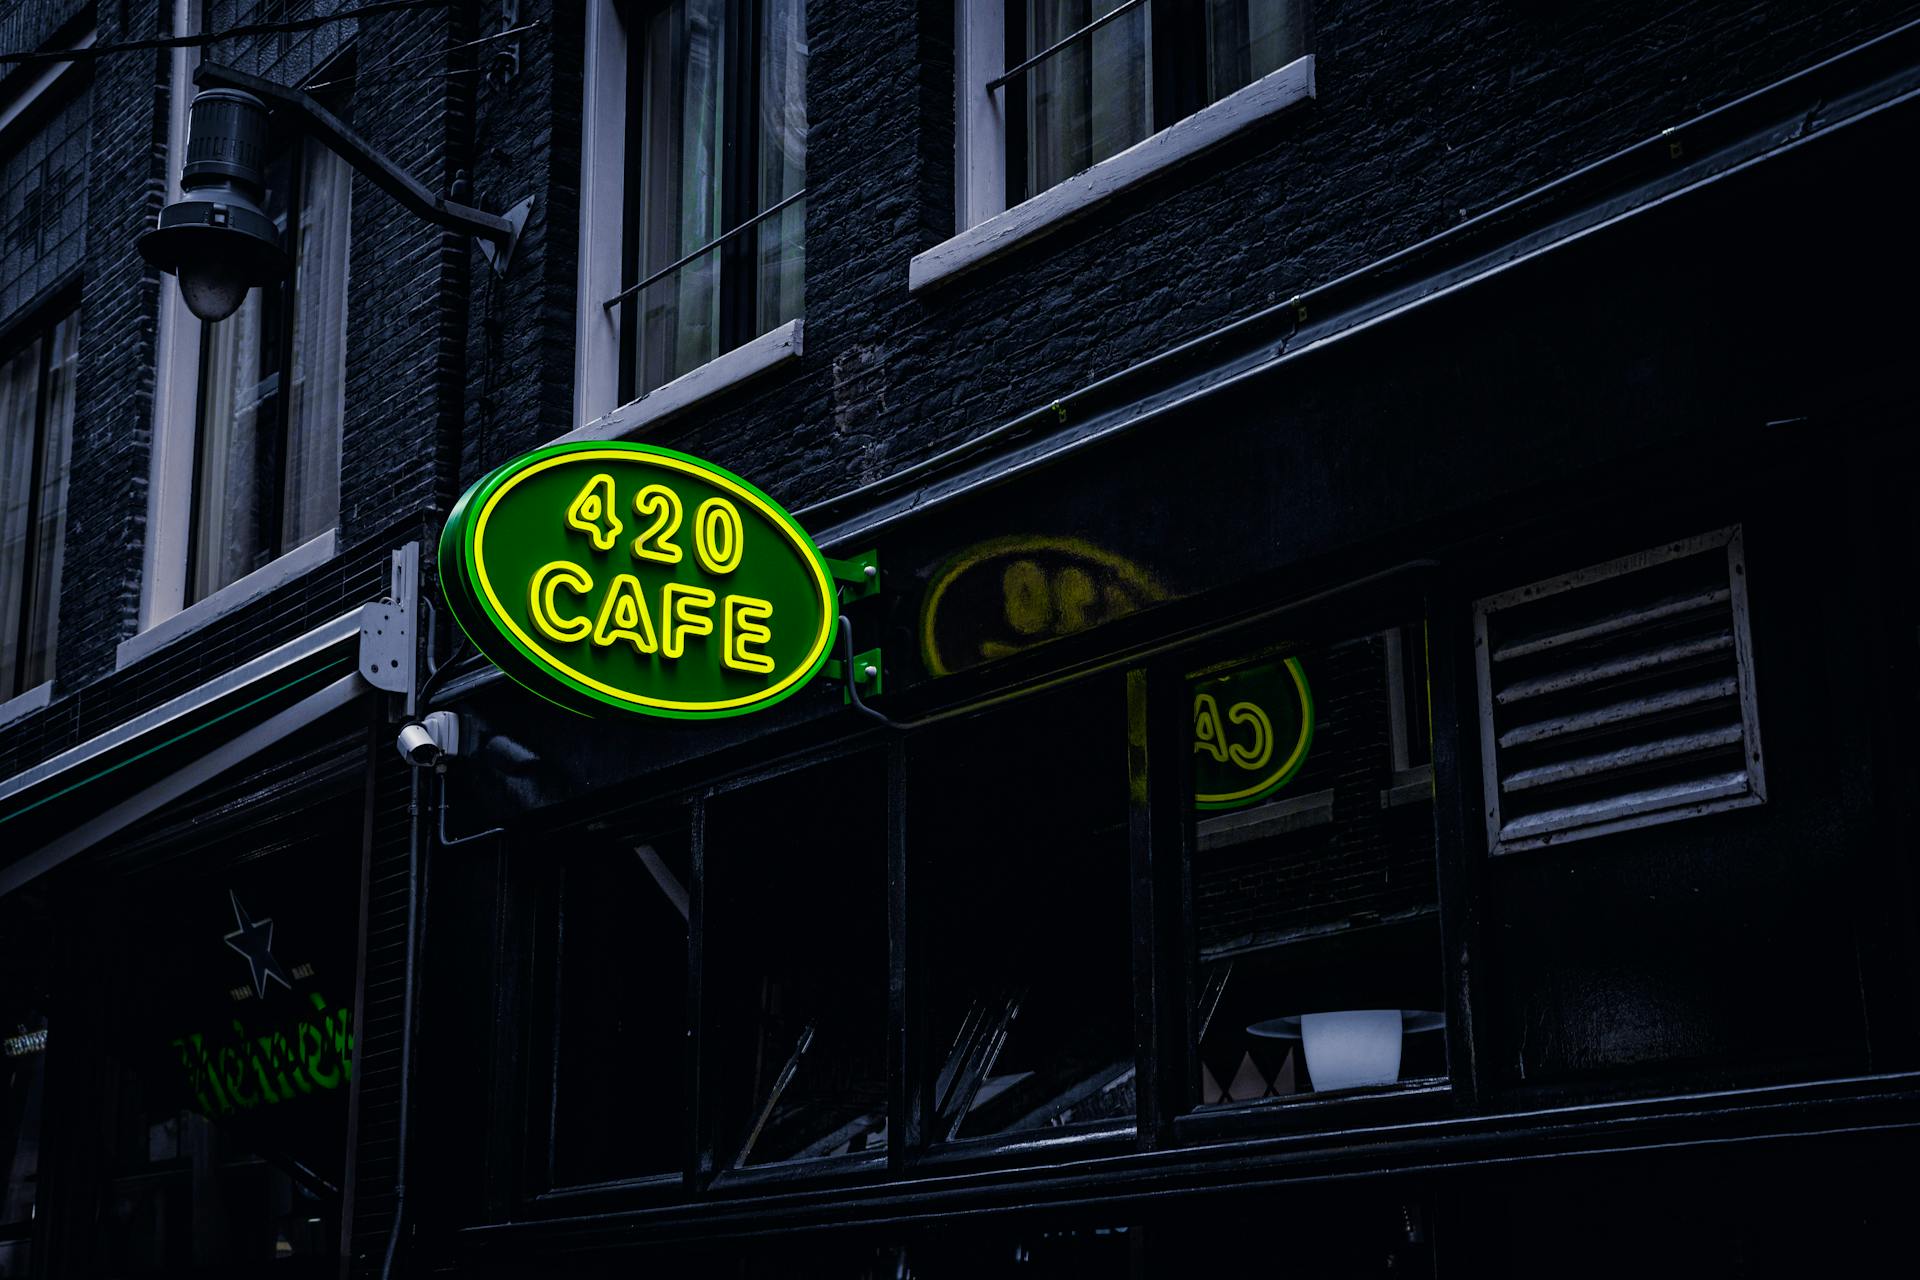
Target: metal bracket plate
858,575
388,634
869,671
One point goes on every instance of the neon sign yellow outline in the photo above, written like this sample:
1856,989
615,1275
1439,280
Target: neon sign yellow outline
546,580
478,540
577,519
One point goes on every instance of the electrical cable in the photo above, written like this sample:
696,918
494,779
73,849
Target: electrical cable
369,10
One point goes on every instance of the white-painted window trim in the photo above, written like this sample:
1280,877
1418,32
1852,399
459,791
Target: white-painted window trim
24,704
724,372
603,198
307,556
994,231
164,613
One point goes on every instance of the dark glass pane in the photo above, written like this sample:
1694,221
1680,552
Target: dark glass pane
721,137
796,964
237,455
1316,934
782,147
310,499
1020,845
19,437
1089,101
27,968
1247,39
681,83
620,1083
230,1032
50,518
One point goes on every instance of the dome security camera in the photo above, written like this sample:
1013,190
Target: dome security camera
217,236
425,744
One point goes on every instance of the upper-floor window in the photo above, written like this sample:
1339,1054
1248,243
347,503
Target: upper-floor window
266,465
716,149
1062,104
36,435
1086,79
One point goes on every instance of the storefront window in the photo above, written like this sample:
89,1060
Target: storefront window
619,1105
229,1033
1317,960
795,967
1019,836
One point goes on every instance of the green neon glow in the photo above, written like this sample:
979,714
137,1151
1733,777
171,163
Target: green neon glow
183,734
253,1070
1252,730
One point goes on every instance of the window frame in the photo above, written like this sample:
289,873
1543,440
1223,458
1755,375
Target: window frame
605,406
1169,843
1155,688
38,325
180,346
20,117
987,227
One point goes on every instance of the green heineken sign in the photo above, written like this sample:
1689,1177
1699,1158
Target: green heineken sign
616,575
1251,730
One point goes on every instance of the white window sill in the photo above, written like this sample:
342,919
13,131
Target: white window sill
26,703
1059,205
307,556
724,372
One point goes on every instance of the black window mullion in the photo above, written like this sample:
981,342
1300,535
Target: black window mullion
703,1160
1014,106
739,181
1458,850
909,1081
1179,54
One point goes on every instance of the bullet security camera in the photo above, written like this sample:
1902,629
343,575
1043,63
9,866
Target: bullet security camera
425,744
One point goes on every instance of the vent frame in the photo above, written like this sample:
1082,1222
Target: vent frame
1627,810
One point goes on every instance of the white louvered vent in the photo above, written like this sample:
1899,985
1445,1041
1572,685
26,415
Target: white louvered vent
1619,696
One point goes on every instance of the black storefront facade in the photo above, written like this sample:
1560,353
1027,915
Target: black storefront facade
1507,642
973,987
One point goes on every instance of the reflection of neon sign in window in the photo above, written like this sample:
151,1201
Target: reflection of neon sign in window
1008,595
1251,731
252,1070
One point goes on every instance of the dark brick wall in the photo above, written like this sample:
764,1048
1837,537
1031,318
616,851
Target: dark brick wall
1423,118
520,344
113,404
1426,115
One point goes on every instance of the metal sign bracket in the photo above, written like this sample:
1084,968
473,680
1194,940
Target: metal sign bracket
858,575
388,634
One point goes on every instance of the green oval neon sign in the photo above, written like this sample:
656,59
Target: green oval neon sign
627,576
1251,732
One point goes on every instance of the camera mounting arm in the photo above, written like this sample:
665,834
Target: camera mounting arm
497,232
